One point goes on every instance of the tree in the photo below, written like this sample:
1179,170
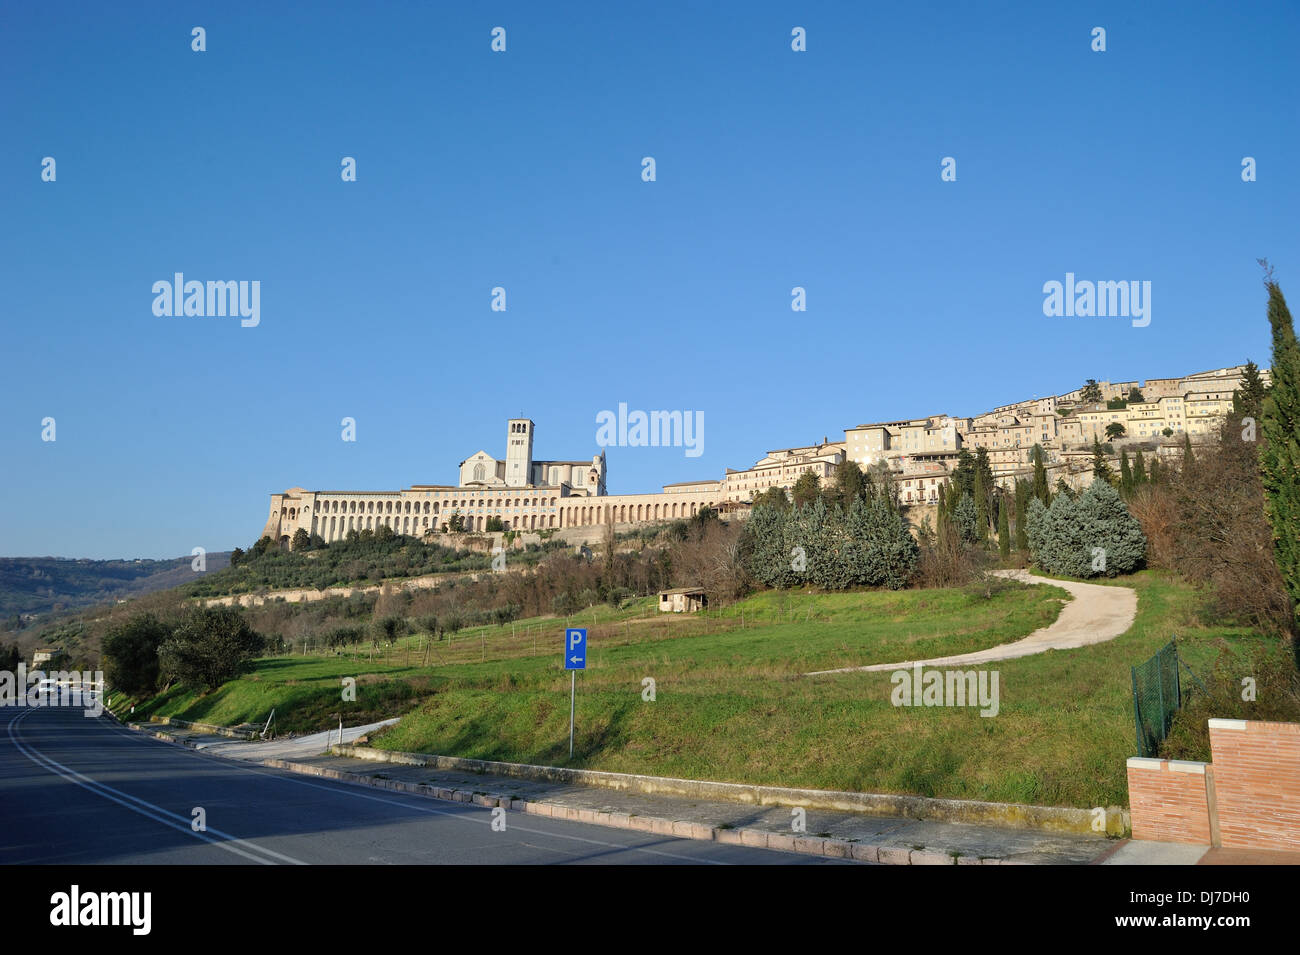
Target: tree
1091,392
964,520
1040,475
886,553
850,484
1280,455
774,497
1100,469
1189,459
236,556
262,546
1248,400
1125,475
981,505
763,546
1135,395
807,487
1004,532
1022,515
1155,470
211,645
1167,432
301,540
1089,535
1139,470
1115,430
963,477
131,654
494,524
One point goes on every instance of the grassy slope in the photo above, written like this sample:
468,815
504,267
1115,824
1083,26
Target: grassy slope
731,703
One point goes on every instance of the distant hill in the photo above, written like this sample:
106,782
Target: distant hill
38,586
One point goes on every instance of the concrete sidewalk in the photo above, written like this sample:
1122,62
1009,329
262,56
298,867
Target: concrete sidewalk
868,838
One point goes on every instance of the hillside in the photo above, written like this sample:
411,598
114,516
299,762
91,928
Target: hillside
39,586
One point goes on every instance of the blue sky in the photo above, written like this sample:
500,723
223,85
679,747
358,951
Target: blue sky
522,170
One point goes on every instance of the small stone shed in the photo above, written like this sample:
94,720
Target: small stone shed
683,600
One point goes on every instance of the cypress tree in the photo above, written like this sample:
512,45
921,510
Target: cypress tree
1004,534
1125,475
1139,471
1189,459
1100,469
1280,454
1022,516
1040,475
1155,470
981,505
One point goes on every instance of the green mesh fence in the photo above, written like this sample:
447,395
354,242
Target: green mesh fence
1157,695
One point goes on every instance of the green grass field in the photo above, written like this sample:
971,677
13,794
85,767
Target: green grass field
731,703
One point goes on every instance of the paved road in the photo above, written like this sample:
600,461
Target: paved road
77,790
1095,615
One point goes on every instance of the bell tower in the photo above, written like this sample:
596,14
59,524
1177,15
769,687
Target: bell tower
519,451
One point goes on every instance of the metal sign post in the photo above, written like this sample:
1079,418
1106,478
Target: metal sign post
575,659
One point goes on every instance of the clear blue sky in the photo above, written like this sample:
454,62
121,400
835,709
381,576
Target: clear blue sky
523,170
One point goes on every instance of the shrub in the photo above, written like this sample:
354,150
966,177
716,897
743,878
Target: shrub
211,645
1087,535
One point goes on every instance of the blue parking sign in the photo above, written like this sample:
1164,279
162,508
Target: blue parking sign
575,649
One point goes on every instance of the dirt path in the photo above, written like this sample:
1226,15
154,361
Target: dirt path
1095,615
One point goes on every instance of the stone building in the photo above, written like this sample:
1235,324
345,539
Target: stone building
528,494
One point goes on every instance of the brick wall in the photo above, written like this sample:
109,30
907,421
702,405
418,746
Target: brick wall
1257,783
1247,797
1168,801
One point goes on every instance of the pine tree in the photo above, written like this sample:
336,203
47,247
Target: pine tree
1004,533
1280,455
963,519
1088,535
1248,400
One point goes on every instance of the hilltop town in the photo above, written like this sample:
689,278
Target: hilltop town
518,492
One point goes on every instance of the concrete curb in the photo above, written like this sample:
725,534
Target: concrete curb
755,838
682,829
1007,815
203,727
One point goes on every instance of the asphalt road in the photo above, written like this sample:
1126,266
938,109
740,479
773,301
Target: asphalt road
76,790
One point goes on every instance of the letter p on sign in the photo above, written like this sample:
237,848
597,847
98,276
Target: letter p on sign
575,649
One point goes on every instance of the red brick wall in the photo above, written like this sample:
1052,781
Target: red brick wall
1257,783
1167,800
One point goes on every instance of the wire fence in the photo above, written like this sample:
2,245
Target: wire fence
1157,696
